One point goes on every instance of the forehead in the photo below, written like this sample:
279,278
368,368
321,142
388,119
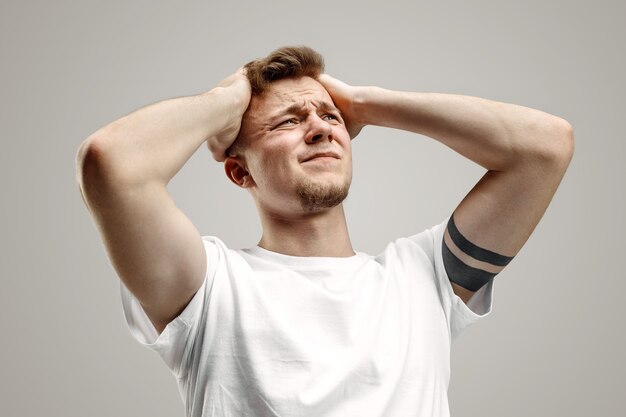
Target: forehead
287,92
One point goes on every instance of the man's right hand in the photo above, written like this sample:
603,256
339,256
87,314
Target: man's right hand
235,87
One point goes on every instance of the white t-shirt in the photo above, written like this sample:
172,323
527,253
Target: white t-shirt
275,335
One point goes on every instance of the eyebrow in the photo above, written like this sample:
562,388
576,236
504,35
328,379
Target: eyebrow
298,109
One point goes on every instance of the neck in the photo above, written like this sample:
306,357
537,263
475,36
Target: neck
323,233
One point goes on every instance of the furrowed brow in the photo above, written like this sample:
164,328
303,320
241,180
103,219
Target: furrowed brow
293,109
300,109
324,106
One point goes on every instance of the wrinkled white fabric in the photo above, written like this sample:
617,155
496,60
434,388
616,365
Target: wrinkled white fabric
276,335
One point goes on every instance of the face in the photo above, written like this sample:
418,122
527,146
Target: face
297,151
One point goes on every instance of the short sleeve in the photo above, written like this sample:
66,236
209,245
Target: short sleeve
461,315
176,340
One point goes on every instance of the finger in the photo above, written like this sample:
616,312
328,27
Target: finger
219,156
232,78
242,71
327,80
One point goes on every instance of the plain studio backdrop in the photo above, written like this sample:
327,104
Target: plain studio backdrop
553,345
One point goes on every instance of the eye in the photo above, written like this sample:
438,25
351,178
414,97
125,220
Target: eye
288,122
328,117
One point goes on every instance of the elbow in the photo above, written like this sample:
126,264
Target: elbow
84,161
90,159
556,144
562,149
98,168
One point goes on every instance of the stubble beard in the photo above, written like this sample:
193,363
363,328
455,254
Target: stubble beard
318,196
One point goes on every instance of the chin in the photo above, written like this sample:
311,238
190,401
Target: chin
316,196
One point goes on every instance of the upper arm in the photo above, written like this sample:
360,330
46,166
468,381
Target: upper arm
155,249
496,218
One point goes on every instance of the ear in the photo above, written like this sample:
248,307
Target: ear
237,172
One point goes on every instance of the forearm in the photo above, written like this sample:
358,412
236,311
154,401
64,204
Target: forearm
495,135
154,142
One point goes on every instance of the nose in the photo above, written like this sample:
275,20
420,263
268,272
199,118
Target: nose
319,130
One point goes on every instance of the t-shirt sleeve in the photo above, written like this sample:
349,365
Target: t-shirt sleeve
176,340
459,314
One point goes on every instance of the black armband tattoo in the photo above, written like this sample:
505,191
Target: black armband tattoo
459,272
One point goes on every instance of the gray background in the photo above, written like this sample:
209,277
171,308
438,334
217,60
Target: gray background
554,344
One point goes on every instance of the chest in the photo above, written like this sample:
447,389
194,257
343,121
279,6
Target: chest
318,332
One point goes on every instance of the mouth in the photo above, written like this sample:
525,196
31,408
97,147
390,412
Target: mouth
321,156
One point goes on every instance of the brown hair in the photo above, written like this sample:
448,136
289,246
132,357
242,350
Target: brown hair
285,62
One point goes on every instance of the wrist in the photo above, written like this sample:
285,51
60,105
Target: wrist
365,105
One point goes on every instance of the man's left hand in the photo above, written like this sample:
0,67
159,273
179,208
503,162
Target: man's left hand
345,98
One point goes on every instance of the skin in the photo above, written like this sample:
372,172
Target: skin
525,152
123,170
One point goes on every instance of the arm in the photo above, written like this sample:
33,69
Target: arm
525,151
123,170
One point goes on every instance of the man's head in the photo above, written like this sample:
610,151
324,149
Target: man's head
293,150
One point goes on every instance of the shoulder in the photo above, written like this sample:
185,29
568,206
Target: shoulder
418,245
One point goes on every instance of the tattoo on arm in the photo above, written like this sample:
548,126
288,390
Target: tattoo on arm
466,264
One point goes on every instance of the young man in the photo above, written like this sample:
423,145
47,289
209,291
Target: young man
302,325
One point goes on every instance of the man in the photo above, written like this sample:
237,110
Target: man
302,325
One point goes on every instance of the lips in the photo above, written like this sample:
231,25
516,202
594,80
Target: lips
321,155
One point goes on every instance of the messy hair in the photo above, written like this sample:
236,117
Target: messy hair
286,62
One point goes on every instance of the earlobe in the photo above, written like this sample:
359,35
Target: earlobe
237,172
